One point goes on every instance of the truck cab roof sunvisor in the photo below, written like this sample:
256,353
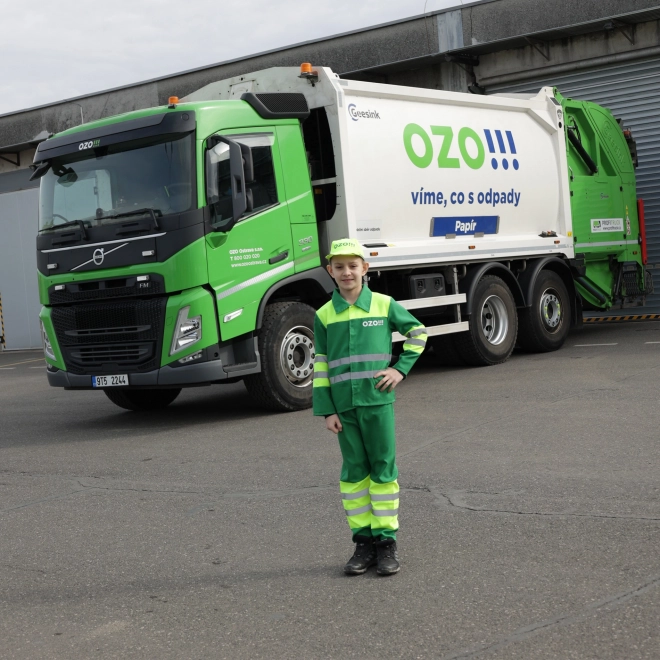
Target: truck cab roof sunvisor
280,105
168,123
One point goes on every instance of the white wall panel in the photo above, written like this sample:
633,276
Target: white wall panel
18,268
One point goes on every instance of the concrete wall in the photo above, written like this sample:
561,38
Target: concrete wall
506,18
570,53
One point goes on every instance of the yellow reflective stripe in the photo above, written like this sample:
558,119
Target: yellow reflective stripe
356,512
416,339
357,502
355,496
321,371
414,345
389,497
385,513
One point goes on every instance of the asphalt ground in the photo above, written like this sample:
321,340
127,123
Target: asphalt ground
530,518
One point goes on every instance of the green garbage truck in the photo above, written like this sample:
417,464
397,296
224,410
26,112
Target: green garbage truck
184,245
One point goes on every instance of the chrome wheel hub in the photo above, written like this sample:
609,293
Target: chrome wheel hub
494,320
297,356
550,309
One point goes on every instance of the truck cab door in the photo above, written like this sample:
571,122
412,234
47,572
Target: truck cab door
246,261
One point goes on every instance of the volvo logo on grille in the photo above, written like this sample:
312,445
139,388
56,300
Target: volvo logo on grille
98,256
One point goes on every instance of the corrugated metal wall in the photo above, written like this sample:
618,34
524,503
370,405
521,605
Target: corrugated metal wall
632,92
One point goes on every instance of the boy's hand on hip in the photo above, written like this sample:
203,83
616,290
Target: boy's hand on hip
391,378
333,423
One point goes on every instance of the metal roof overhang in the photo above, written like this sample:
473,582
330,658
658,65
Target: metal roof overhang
15,149
539,40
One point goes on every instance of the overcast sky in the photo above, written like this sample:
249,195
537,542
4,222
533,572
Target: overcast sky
56,49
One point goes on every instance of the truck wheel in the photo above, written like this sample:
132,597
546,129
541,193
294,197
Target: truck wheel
142,399
286,346
545,325
493,325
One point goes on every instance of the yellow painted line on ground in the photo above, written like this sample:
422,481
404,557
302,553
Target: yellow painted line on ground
13,364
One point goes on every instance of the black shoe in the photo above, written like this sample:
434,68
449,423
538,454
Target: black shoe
363,557
388,558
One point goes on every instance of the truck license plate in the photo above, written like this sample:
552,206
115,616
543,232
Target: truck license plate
110,381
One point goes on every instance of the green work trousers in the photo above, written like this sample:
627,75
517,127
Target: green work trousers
369,487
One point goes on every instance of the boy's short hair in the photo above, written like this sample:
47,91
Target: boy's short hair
345,247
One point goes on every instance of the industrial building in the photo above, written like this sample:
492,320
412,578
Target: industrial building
606,51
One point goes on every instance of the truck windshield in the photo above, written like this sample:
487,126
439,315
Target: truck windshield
119,180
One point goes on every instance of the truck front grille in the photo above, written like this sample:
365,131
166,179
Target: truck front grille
121,355
104,338
106,289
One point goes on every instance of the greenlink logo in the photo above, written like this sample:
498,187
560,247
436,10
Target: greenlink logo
470,146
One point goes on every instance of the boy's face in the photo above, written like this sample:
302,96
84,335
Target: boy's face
348,272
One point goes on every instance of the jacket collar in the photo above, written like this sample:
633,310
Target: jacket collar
363,302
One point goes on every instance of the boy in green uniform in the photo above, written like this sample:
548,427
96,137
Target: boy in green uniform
354,390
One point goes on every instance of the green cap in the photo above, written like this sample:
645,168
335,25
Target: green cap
345,247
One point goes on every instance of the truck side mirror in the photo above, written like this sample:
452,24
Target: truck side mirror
237,175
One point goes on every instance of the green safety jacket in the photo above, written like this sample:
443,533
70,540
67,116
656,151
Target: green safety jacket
353,343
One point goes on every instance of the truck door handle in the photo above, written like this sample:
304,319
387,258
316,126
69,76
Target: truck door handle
280,257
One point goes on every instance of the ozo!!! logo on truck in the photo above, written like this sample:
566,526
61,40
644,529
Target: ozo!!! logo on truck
470,146
89,145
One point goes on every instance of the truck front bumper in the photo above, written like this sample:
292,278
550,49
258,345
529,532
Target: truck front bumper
202,373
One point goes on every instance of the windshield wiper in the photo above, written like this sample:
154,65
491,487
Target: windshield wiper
128,214
70,223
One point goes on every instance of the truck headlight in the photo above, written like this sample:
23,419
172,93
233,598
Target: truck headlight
48,349
186,331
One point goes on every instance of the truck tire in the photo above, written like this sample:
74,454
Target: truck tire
286,346
493,325
545,325
142,399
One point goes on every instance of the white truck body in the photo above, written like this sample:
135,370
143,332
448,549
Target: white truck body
432,177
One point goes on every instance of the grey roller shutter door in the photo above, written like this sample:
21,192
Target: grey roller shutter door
632,92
